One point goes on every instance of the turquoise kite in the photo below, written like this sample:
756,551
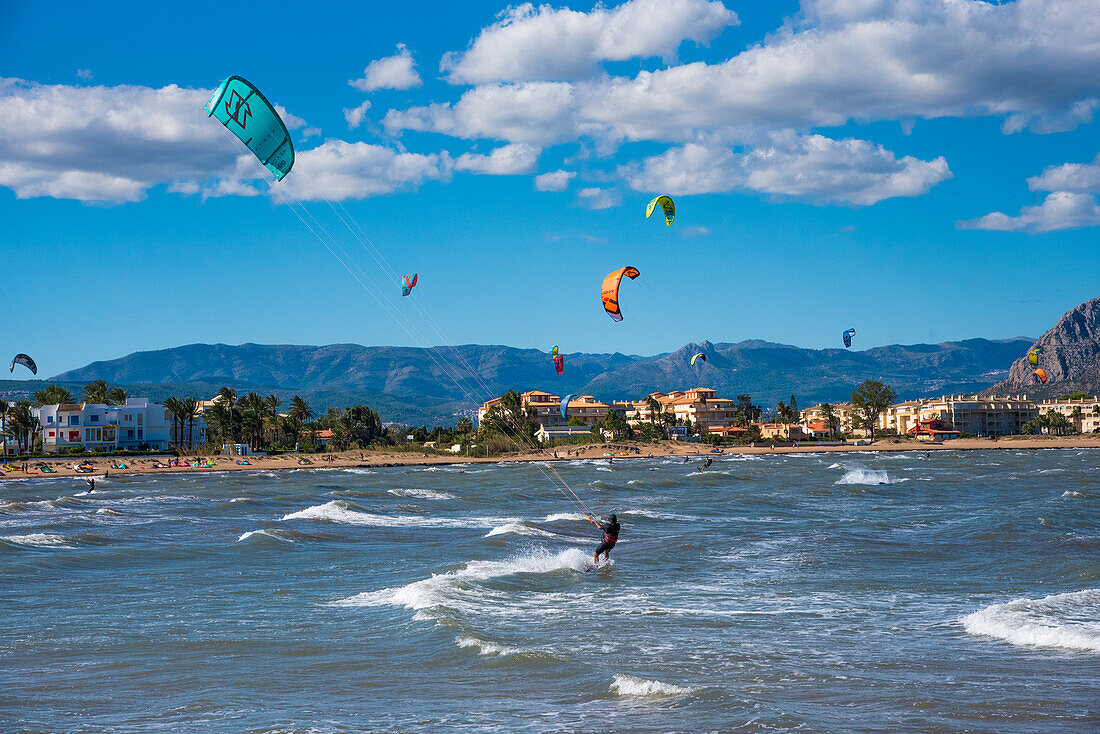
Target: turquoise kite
565,404
246,113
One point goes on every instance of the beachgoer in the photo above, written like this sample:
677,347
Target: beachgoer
610,537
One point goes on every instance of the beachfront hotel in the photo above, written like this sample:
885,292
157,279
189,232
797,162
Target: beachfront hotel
950,415
547,408
137,425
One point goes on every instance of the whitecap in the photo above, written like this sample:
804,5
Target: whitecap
273,533
490,648
1072,493
338,511
862,475
38,540
565,516
628,685
518,528
424,494
444,588
1068,621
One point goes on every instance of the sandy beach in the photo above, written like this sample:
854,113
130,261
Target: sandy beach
66,467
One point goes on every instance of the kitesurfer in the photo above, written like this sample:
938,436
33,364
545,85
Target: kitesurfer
610,537
706,465
91,484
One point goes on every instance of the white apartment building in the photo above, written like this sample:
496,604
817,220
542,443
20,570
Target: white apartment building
982,416
1086,409
137,425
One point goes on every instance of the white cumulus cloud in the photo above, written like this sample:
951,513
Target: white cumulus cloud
112,144
391,72
1034,63
507,160
1060,210
597,198
340,170
546,43
1068,177
354,116
812,167
554,180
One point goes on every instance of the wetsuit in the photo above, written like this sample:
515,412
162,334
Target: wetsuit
610,537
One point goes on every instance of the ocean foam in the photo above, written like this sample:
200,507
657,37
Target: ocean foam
518,528
565,516
1070,621
627,685
287,536
490,648
1072,493
444,588
856,474
38,540
424,494
338,511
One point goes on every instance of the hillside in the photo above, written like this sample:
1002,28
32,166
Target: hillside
417,385
1070,354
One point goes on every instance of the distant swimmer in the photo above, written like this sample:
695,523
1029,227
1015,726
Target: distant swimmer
610,537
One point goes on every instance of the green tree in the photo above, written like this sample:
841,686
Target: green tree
116,396
464,426
228,396
4,408
190,407
300,413
172,405
870,399
830,418
746,412
96,391
52,395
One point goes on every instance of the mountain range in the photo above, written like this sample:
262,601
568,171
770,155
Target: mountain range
415,385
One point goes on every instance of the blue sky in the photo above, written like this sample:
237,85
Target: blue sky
921,171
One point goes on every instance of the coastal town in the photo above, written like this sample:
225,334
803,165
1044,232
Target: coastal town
201,427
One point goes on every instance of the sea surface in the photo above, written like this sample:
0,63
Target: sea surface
947,592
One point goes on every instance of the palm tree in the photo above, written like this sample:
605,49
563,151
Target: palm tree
116,396
172,405
4,408
23,426
272,403
229,396
52,395
190,406
96,391
300,410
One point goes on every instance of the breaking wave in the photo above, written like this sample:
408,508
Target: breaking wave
451,588
37,540
424,494
1070,621
341,511
518,528
628,685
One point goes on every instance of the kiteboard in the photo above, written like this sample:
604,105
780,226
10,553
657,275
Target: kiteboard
600,566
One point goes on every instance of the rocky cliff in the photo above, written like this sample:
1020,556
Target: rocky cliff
1070,354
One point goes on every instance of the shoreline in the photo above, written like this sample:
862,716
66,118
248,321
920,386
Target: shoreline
63,467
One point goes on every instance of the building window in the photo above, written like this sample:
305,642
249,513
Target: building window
94,418
139,434
141,417
74,420
130,434
49,420
50,434
128,418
